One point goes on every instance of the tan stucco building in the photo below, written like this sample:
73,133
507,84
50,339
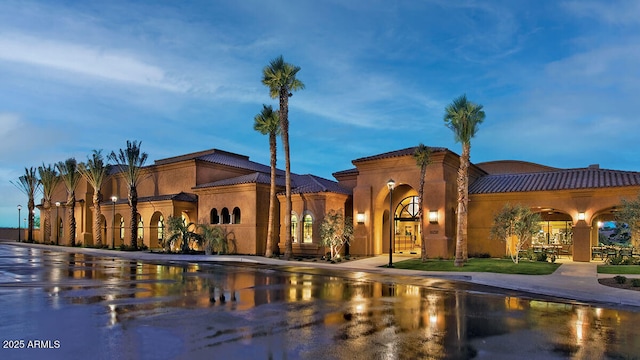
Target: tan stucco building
226,189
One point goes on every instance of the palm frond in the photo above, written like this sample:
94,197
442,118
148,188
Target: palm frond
49,179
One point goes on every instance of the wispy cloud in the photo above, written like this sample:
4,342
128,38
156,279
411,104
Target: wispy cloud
86,60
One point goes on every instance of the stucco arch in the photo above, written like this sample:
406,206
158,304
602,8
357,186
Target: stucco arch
383,204
157,229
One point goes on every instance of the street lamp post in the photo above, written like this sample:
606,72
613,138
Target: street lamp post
113,228
19,208
391,184
57,223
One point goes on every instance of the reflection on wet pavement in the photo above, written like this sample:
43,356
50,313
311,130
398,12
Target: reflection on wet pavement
99,307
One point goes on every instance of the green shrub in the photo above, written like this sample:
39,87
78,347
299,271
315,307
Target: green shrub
541,256
615,260
620,279
635,282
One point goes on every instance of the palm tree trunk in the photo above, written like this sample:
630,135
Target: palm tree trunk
71,216
461,233
284,125
423,245
97,222
133,202
46,225
466,151
31,205
272,195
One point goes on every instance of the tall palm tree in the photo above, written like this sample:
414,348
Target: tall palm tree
131,162
280,78
49,179
422,155
70,177
463,118
29,184
95,171
268,122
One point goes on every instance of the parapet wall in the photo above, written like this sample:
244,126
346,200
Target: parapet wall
11,233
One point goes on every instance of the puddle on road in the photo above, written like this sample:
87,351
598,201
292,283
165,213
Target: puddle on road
155,310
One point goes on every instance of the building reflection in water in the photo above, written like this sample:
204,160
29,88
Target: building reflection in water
358,310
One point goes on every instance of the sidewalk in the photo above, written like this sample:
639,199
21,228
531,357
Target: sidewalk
574,281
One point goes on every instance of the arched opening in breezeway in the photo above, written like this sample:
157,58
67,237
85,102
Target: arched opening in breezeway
555,236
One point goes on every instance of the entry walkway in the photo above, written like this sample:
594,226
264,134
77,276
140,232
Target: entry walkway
575,281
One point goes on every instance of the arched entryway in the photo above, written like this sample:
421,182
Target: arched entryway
405,227
556,233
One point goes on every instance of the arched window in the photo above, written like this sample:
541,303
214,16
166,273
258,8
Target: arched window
236,215
60,229
294,227
140,228
226,217
408,208
121,229
160,230
215,219
307,229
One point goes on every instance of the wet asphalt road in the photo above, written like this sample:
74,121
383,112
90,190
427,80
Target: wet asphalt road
59,305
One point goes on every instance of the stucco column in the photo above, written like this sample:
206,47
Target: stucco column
582,242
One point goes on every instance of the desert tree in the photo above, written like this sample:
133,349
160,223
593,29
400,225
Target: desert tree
463,117
131,161
422,155
95,172
280,77
70,176
29,184
267,122
49,179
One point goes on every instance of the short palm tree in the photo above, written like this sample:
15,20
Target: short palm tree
214,239
29,184
280,78
268,122
95,171
463,118
49,179
131,162
183,232
70,177
422,155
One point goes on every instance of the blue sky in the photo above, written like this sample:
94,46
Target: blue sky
559,80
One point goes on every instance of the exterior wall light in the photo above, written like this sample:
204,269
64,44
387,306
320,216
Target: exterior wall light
581,216
433,216
360,218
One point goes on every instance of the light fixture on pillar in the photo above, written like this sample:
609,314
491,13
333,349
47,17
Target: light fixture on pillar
113,228
57,223
360,218
433,216
581,216
390,185
19,230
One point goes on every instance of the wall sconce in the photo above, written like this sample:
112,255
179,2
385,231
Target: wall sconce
433,216
360,218
581,216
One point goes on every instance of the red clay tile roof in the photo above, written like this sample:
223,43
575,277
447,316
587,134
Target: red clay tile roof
396,153
254,178
568,179
237,161
300,184
182,196
307,184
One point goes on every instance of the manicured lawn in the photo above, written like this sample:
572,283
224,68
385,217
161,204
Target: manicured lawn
503,266
618,269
